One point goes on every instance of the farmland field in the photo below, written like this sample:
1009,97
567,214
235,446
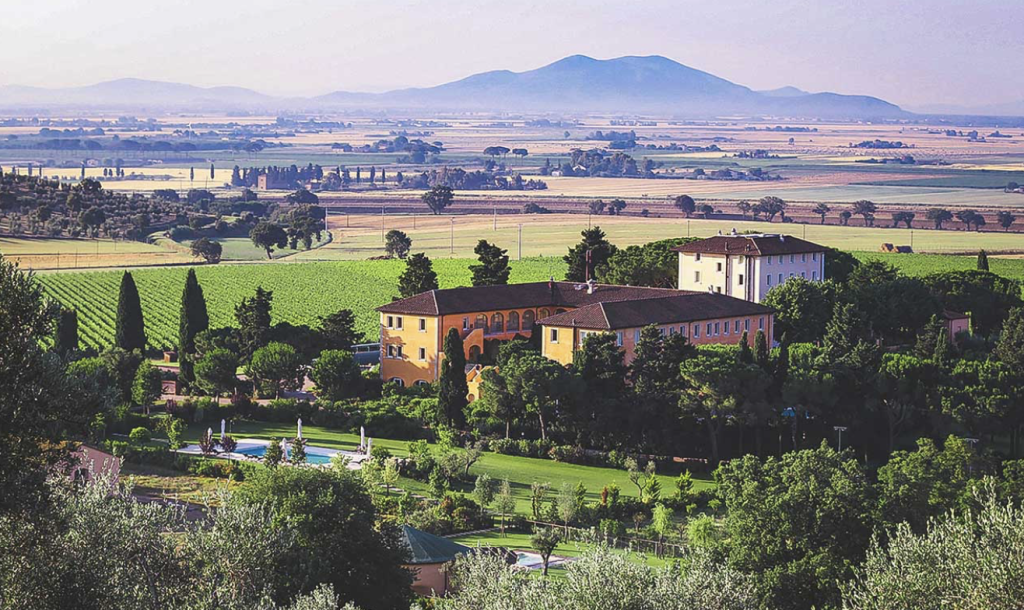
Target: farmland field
302,292
44,253
305,291
359,236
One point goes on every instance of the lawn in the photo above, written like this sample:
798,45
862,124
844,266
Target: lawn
520,471
521,542
242,249
156,482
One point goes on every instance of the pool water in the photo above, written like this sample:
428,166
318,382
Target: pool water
261,450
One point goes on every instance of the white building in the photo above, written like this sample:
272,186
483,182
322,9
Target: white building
748,266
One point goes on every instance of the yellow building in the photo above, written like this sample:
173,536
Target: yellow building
701,317
412,330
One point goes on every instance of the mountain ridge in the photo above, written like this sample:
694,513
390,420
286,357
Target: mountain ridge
577,83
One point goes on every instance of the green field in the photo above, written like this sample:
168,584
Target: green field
302,292
305,291
242,249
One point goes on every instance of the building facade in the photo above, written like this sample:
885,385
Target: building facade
748,266
699,316
413,330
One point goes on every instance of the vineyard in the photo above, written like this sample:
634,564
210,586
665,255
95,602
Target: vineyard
302,292
305,291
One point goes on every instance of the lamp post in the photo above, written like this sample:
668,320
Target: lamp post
840,430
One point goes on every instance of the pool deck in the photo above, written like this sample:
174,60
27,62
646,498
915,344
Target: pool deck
355,459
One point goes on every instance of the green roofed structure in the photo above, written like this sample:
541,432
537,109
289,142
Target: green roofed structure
429,558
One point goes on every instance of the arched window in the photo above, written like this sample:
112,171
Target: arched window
544,312
474,353
528,317
480,322
398,381
559,310
421,382
498,323
513,321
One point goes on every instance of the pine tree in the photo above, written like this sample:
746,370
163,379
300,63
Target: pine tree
253,316
944,352
781,372
129,328
418,276
66,337
192,320
212,173
982,261
761,352
928,337
493,269
452,390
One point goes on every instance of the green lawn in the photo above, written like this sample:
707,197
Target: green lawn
521,542
242,249
520,471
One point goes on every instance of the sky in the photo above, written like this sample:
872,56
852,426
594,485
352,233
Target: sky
910,52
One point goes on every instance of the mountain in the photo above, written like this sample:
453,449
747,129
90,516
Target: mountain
575,84
650,84
133,93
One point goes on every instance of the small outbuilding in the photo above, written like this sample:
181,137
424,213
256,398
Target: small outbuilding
430,559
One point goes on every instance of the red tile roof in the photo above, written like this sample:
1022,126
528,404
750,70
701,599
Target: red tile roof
752,245
667,309
518,296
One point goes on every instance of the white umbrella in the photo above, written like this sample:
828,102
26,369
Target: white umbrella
362,437
222,424
369,446
284,448
300,427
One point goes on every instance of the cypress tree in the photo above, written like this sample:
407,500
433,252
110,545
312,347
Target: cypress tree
193,320
129,328
781,367
761,352
66,339
982,261
452,390
745,356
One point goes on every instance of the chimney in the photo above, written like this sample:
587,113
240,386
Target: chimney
782,237
591,286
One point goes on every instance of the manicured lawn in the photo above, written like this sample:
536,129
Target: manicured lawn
517,541
158,482
520,471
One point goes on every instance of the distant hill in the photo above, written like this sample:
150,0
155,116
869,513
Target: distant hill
133,93
622,85
650,84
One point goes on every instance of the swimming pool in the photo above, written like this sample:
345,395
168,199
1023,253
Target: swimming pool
312,456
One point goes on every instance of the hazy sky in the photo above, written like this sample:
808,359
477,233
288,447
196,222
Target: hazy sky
910,52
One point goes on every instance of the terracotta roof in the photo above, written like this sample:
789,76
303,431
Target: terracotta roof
670,309
752,245
517,296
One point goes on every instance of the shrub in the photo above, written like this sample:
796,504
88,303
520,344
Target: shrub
140,436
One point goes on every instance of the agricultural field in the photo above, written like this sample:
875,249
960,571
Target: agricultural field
302,292
70,254
360,236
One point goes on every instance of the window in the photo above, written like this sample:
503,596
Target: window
528,318
636,336
780,278
708,330
421,382
618,338
498,323
399,352
790,274
661,331
718,267
583,336
391,321
697,257
814,256
696,276
465,323
554,335
768,279
398,322
480,322
682,329
423,353
814,275
780,259
726,329
696,331
803,274
545,312
391,351
769,260
513,321
398,381
737,327
803,258
718,328
719,289
792,258
741,279
423,325
746,325
760,323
